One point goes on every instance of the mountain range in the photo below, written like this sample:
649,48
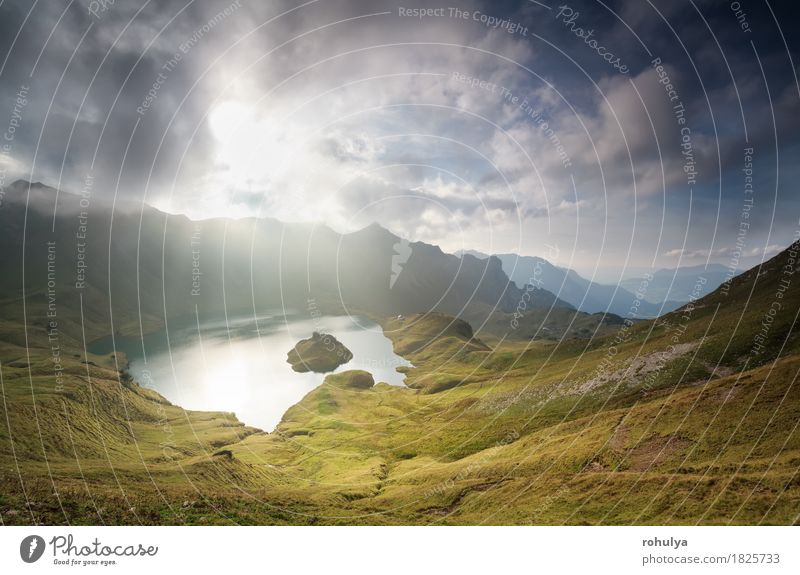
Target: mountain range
681,284
139,267
662,291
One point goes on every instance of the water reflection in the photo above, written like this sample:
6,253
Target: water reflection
240,365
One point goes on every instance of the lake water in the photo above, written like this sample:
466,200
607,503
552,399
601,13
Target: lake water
240,365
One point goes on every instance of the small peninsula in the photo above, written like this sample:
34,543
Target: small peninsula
320,353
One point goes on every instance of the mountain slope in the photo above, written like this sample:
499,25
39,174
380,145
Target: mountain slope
589,296
683,419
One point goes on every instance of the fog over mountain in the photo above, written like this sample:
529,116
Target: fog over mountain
127,261
682,284
658,293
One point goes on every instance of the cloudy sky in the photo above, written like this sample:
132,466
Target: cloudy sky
541,128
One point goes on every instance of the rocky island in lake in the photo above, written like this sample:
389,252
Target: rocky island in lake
320,353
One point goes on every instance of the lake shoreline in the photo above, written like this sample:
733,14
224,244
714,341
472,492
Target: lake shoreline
253,387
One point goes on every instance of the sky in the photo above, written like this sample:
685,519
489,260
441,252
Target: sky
609,137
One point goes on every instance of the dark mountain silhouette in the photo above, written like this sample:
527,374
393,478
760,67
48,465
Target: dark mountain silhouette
143,265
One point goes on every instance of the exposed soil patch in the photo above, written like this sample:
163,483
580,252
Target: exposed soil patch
639,369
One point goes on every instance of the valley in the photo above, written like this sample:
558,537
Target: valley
673,420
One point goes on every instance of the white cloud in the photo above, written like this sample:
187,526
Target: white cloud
702,254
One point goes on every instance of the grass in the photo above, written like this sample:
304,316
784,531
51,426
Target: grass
681,424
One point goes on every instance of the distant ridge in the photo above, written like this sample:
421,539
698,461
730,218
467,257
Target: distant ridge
667,290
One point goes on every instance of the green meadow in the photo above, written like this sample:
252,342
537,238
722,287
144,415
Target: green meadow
685,419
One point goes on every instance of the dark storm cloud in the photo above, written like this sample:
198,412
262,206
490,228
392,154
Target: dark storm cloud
322,99
92,76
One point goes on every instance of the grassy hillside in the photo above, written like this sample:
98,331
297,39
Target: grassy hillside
690,418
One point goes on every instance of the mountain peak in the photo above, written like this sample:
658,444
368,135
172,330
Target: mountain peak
374,226
473,253
373,230
26,184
